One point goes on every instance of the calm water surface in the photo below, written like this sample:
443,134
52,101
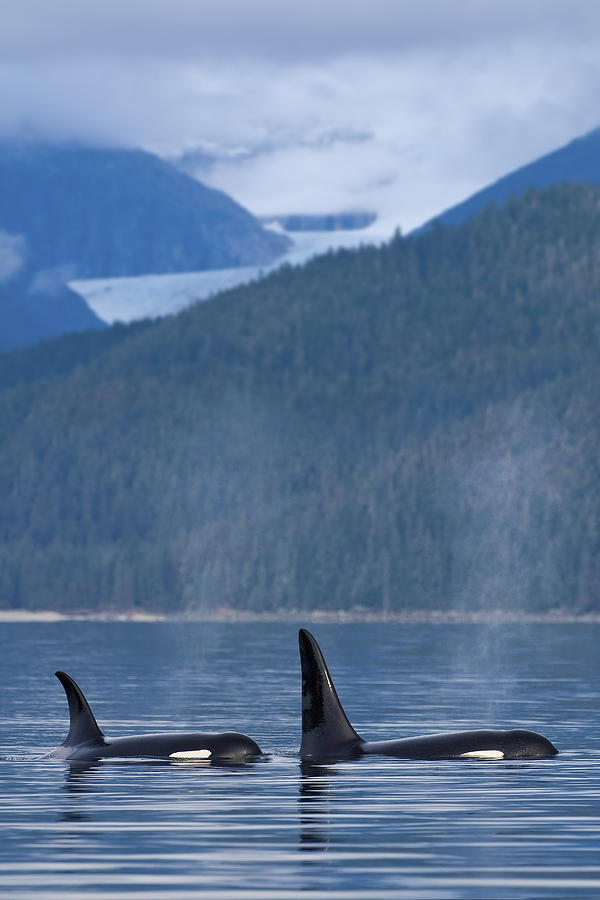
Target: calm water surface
374,828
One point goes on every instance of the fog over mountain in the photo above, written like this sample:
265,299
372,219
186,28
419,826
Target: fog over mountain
36,304
388,106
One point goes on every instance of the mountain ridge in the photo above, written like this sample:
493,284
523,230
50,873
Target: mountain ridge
70,210
577,161
113,211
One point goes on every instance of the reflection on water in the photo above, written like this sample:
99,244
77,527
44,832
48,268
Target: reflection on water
76,783
372,827
313,804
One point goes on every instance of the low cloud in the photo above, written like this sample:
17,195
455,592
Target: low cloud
12,255
405,137
270,30
52,281
396,107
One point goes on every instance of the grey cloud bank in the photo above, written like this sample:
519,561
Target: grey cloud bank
314,108
187,29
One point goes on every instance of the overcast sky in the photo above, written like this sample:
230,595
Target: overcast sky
402,108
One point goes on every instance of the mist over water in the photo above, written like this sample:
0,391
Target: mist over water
376,827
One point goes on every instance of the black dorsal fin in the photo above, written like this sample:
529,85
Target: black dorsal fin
326,731
83,726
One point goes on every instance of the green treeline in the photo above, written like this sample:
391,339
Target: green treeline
412,426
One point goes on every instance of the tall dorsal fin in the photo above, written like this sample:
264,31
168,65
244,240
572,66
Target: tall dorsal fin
326,731
83,726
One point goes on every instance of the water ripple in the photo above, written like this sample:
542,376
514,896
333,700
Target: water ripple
371,828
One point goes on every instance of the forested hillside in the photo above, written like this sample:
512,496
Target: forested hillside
404,427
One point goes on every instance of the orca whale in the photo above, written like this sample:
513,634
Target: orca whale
327,735
86,742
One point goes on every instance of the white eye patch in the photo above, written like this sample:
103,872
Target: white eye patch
482,754
191,754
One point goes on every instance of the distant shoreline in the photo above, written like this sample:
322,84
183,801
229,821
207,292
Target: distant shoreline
356,616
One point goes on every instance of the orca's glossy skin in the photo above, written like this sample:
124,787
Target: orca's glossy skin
86,742
327,735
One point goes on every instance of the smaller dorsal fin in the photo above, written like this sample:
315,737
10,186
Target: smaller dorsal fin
83,727
326,731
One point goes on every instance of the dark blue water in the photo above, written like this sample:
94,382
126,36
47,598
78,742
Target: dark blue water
376,828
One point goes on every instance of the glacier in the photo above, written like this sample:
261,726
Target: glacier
152,296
